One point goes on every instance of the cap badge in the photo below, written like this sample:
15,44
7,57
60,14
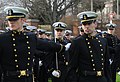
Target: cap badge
10,12
84,16
59,25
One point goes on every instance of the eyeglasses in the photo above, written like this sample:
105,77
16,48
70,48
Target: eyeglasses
13,19
88,22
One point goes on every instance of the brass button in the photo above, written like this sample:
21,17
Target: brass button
66,63
100,45
91,55
15,55
93,64
101,49
13,39
102,59
27,42
91,51
86,38
28,58
26,36
13,44
96,38
28,52
16,65
28,63
94,69
102,54
89,46
102,63
15,60
15,50
88,42
28,47
12,34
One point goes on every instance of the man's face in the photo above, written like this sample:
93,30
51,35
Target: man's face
16,23
89,26
111,30
68,36
59,33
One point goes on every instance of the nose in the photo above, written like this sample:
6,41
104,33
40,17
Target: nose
86,26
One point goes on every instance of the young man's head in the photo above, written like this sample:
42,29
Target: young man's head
111,28
68,34
30,29
41,33
48,35
16,17
88,20
59,28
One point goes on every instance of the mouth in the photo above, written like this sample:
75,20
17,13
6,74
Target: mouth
86,30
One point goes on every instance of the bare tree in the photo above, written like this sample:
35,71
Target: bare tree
84,5
48,11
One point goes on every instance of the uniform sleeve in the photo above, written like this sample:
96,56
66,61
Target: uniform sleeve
49,46
107,69
0,66
115,63
0,73
72,65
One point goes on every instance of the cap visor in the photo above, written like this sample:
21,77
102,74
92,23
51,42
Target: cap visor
14,16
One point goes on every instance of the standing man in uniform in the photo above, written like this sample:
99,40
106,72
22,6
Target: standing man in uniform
17,48
68,36
111,39
60,61
88,54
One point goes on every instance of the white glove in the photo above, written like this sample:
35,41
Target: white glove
119,73
67,46
56,73
110,61
40,63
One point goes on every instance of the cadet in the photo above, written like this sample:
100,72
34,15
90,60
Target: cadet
17,48
30,29
111,39
48,35
88,54
68,36
112,43
41,33
59,62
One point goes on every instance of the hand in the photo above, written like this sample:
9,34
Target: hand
119,73
56,73
67,46
40,63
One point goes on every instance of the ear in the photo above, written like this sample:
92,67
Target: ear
95,24
23,20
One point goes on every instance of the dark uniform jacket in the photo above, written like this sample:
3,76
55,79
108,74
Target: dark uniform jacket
16,53
62,62
116,63
88,55
112,42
